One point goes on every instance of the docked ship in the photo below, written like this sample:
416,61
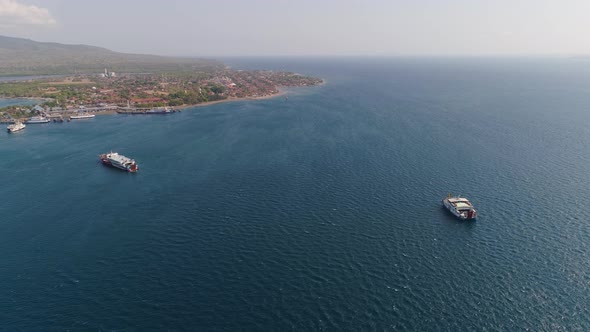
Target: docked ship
15,127
119,161
131,111
82,116
159,110
37,119
461,207
162,110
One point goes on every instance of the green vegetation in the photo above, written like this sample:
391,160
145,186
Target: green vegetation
150,90
142,81
16,112
20,89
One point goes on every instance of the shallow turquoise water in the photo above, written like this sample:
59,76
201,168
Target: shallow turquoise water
317,212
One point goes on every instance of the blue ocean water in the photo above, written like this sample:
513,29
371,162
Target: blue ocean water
317,212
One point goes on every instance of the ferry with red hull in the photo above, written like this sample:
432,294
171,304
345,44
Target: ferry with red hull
460,207
119,161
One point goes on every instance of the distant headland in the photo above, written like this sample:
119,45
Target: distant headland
92,78
25,57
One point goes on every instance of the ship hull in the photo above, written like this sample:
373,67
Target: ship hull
14,128
463,215
158,112
80,117
164,110
131,168
36,122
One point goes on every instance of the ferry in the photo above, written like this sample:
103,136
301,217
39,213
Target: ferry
461,207
163,110
82,116
135,111
119,161
15,127
37,119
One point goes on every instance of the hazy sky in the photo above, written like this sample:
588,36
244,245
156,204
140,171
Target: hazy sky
307,27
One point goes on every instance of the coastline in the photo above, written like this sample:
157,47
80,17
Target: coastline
282,90
252,85
181,107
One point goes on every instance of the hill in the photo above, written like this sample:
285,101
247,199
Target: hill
27,57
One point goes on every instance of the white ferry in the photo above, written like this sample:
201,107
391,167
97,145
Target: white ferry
37,119
460,207
119,161
82,116
15,127
161,110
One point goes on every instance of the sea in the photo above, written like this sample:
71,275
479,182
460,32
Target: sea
317,210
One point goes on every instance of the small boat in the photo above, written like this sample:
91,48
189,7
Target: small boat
15,127
460,207
82,116
37,119
119,161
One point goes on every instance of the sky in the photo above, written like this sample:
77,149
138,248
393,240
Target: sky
307,27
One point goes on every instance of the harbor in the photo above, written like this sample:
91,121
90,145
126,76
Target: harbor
58,115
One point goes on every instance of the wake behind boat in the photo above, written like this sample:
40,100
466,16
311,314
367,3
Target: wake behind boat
119,161
461,207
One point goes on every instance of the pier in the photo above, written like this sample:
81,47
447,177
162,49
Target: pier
100,110
64,115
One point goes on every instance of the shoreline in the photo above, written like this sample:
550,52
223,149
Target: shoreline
181,107
209,103
281,92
